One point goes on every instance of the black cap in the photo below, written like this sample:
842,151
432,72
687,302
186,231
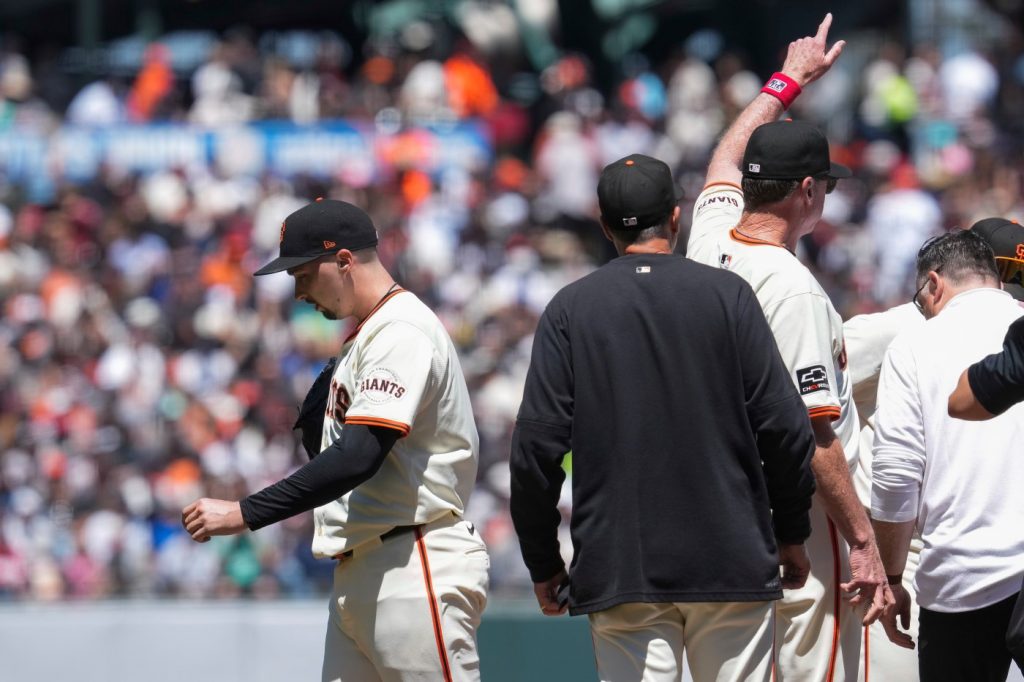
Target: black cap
320,228
1007,241
636,192
789,150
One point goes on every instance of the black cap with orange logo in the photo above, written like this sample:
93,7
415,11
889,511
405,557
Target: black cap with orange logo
1006,238
636,192
318,229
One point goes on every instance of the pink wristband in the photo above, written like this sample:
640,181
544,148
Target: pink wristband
782,87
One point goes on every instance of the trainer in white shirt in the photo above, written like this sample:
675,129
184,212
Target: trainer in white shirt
958,482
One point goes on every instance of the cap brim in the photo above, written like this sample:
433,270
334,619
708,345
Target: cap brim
839,171
283,263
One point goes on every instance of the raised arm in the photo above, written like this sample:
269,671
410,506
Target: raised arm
806,61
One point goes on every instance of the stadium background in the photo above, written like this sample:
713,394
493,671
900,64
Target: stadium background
149,150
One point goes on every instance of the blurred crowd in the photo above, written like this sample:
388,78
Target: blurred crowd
141,366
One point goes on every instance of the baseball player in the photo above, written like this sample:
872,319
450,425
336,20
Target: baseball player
867,338
398,461
753,230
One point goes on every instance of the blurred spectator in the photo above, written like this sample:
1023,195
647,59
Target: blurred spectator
97,104
218,95
152,86
899,219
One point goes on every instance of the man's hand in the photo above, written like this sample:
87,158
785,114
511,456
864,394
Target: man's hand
208,517
547,594
900,607
796,566
867,581
807,60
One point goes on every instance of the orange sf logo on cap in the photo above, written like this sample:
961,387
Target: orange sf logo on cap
1020,251
282,233
329,245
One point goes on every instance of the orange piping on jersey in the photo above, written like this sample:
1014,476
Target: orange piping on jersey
377,307
377,421
720,182
753,241
867,655
827,411
435,616
835,601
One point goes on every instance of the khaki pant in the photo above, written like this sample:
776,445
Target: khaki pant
407,609
723,641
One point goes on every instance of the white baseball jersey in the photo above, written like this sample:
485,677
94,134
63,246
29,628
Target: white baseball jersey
867,338
807,329
818,634
399,369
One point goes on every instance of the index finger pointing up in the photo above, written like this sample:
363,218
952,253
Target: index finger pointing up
822,33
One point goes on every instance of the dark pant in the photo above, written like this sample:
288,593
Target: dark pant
968,646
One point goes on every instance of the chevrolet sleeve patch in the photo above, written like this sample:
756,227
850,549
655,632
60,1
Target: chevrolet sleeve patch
811,379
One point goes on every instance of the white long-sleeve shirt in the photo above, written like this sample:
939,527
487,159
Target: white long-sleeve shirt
962,481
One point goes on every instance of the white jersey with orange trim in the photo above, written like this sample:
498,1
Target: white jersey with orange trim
818,634
399,369
807,328
867,338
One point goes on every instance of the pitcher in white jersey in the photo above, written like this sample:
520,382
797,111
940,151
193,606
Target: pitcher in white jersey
752,229
397,462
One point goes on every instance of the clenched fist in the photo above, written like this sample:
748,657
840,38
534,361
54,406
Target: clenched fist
207,517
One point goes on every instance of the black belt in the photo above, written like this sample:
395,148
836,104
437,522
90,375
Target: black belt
394,532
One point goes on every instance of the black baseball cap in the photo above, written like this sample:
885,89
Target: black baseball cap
318,229
636,192
789,150
1007,241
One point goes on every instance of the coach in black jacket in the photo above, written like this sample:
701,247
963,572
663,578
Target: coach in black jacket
691,451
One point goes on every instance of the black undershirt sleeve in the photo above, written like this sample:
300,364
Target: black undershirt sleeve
351,460
998,380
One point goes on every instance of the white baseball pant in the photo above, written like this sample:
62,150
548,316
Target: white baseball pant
817,633
407,608
723,641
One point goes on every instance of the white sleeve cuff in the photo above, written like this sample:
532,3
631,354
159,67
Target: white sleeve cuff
893,507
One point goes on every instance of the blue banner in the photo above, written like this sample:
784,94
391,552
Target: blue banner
352,151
